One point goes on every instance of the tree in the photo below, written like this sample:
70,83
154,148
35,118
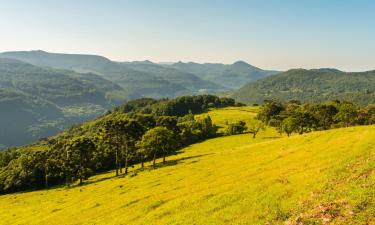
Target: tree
347,113
206,127
254,126
289,125
131,132
158,140
366,116
324,113
305,120
141,152
269,110
236,128
146,120
79,149
112,138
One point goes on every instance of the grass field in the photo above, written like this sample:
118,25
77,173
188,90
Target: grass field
223,117
318,178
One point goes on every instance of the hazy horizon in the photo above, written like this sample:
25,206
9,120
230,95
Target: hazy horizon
269,35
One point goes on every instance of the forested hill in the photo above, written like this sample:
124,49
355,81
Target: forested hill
232,76
148,79
311,86
140,79
36,102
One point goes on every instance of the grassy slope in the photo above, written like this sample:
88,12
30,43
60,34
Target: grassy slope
223,117
323,176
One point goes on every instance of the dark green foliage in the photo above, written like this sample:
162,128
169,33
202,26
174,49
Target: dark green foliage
179,106
347,113
7,155
158,141
312,86
302,118
78,155
236,128
270,110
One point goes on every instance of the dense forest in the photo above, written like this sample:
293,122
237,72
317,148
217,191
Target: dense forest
315,85
146,129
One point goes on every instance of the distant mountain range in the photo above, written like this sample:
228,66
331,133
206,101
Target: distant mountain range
41,93
314,85
231,76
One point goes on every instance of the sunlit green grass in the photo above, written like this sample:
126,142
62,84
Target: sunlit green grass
223,117
316,178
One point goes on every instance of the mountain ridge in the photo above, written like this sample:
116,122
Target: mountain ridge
312,85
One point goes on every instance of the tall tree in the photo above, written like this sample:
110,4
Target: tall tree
79,149
131,132
112,138
158,140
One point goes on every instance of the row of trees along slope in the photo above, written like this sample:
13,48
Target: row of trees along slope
295,117
139,130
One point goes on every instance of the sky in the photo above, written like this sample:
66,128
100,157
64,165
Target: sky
270,34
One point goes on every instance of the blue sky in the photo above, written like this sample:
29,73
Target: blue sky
273,34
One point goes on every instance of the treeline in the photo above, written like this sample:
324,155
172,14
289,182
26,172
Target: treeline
301,118
179,106
138,131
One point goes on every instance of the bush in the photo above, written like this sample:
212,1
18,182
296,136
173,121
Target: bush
236,128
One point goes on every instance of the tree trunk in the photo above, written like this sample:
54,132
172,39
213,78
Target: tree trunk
80,175
154,160
45,176
142,158
46,181
126,165
116,162
254,134
163,157
81,170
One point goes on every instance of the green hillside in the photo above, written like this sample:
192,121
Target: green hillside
139,79
311,86
24,118
318,178
38,102
231,76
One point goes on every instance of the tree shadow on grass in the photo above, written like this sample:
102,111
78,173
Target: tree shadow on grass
134,172
167,163
271,137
